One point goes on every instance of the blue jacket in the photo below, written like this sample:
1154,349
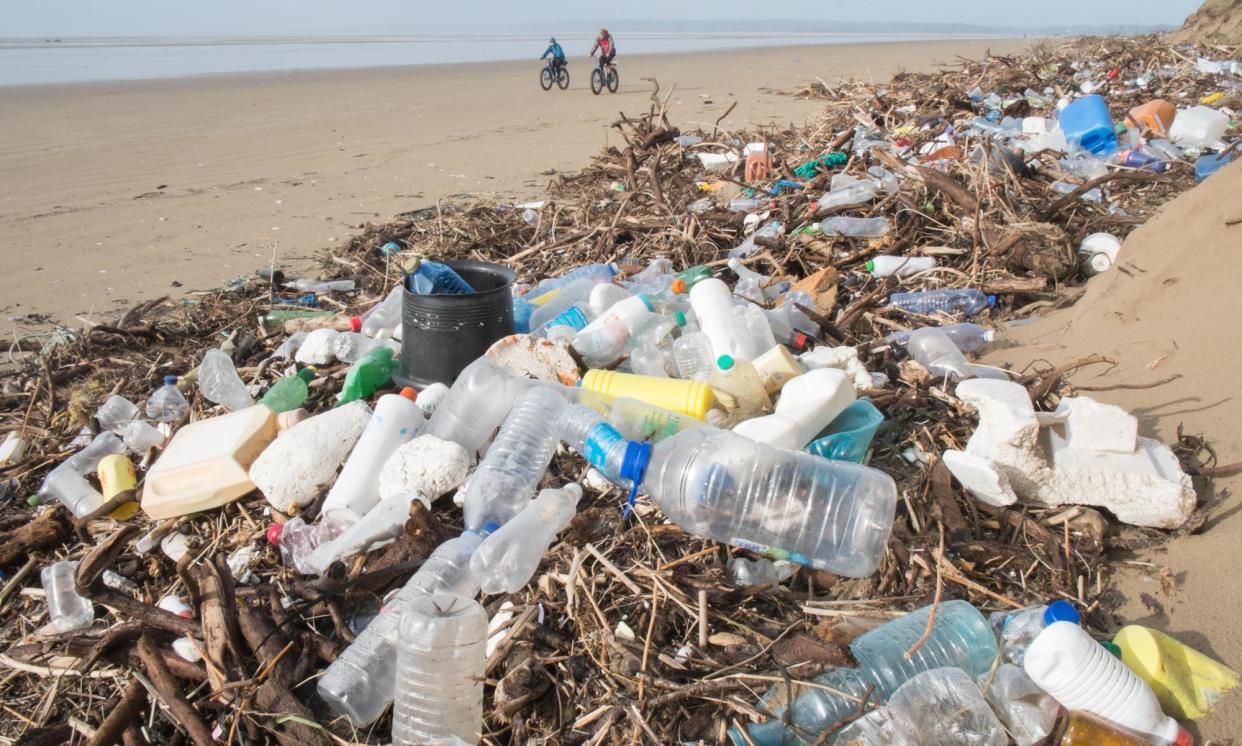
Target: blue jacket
555,50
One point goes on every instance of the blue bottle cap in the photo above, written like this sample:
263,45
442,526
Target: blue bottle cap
1061,611
634,462
170,380
488,528
991,301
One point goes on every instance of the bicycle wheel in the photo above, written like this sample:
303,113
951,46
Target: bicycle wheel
597,81
562,78
614,80
545,79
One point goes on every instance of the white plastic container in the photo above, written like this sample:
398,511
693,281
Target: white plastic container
396,420
508,558
902,266
1198,127
1082,675
713,307
776,367
626,312
808,404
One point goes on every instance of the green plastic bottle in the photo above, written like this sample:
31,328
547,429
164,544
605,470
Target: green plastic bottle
695,274
366,376
281,315
290,392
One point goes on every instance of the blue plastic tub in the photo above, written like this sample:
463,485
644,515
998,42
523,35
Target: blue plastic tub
1088,125
848,437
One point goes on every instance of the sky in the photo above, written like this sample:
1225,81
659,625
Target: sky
63,18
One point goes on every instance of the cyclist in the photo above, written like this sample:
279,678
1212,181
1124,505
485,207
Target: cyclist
558,54
606,46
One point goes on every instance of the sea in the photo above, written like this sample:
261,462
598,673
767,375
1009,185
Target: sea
75,60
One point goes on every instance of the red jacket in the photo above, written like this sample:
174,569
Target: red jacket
604,45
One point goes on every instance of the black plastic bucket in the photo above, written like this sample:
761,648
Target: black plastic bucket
442,334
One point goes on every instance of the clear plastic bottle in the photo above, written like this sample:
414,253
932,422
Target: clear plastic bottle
433,278
788,322
649,360
768,290
934,350
944,707
384,318
738,388
744,573
1027,712
752,332
587,433
510,472
474,407
350,347
569,295
168,405
604,296
360,683
1016,630
773,229
115,413
289,392
833,516
219,383
854,227
67,482
66,609
441,654
596,273
968,301
305,285
693,356
289,348
573,319
508,558
748,204
967,336
856,193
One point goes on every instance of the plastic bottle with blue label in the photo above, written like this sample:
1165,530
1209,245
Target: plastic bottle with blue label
425,277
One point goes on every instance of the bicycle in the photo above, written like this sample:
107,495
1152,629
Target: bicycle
553,72
599,76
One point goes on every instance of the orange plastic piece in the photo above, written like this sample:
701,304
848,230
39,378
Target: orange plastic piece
1156,116
758,166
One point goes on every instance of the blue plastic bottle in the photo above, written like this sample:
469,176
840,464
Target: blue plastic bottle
433,278
1088,125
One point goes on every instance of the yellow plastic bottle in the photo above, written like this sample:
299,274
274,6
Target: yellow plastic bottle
116,474
692,398
1187,682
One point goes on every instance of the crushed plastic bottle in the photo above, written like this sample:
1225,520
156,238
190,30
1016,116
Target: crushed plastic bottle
744,573
944,707
507,559
219,383
738,388
120,416
384,318
855,227
425,277
1027,712
934,350
967,336
966,301
67,610
475,406
902,266
856,193
304,285
289,392
368,375
168,405
752,331
692,353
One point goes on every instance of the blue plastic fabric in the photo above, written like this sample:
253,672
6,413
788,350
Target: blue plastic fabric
848,437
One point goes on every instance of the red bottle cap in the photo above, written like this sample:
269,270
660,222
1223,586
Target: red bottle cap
800,339
273,533
355,323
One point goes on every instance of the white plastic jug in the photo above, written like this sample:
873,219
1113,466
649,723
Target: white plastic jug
1198,127
808,404
1083,675
395,422
713,306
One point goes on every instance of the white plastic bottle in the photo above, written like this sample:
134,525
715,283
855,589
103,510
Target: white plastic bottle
692,354
739,389
713,306
219,383
604,296
67,482
381,523
902,266
1083,675
395,421
508,558
66,609
510,472
429,398
360,683
441,654
625,311
808,404
476,404
384,318
168,405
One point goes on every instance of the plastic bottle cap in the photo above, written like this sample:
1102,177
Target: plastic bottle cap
409,393
355,323
488,528
869,266
1061,611
724,362
1183,738
1113,648
307,374
613,268
33,501
680,318
170,380
273,533
991,300
679,286
634,462
800,339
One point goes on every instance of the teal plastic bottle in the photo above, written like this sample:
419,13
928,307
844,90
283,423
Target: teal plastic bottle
290,392
368,375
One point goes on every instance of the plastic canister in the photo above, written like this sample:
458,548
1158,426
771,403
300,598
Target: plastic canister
1187,682
713,307
1156,116
776,367
624,312
1087,124
1081,674
808,404
396,421
1098,252
1198,127
693,398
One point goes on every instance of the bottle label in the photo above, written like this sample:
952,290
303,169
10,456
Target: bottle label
599,440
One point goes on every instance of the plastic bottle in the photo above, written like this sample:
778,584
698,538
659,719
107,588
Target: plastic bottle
425,277
625,312
752,332
967,336
304,285
367,375
944,707
384,318
854,227
604,296
856,193
596,273
967,301
349,347
474,407
386,520
1017,629
693,398
649,360
1210,164
508,558
692,353
808,404
219,383
440,661
788,322
395,421
574,319
429,398
1027,712
934,350
510,472
776,367
719,485
589,435
67,482
1079,728
168,405
694,275
289,392
739,389
773,229
744,573
902,266
713,307
562,299
1187,683
1083,675
360,683
66,609
289,348
769,290
120,416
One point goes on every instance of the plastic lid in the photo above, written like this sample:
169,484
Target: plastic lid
1113,648
488,528
1061,611
273,533
355,323
646,301
33,501
869,266
634,462
1183,738
307,374
680,318
800,339
679,286
409,393
991,300
724,362
170,380
613,268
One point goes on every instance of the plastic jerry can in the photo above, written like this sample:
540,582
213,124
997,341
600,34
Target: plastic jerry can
776,367
1156,116
1088,125
692,398
206,463
1187,682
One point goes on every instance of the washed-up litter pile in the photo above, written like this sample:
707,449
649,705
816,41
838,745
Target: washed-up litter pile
724,326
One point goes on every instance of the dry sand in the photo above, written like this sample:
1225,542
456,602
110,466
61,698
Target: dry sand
115,192
1172,308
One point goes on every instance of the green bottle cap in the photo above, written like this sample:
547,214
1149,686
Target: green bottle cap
724,362
33,501
680,318
1112,648
307,374
870,266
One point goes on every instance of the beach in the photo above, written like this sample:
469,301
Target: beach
113,193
